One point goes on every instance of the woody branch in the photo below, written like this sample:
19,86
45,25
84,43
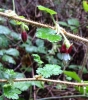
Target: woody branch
36,24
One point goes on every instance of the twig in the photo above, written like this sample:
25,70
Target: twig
43,25
61,97
46,80
34,88
26,21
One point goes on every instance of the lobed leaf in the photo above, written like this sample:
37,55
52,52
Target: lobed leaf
48,34
11,93
37,58
49,70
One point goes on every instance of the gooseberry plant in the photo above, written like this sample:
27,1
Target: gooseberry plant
9,56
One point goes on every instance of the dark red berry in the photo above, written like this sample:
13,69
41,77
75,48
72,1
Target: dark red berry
24,36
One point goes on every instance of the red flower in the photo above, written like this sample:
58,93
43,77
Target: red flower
64,49
24,36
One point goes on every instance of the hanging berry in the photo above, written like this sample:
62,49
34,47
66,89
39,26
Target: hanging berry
24,36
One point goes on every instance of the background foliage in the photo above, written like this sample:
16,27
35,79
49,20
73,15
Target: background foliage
40,54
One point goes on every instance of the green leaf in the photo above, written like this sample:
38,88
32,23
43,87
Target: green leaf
1,66
13,22
61,86
72,75
52,59
2,10
9,74
12,52
37,58
40,43
82,90
51,12
31,49
26,84
42,50
19,75
1,98
49,70
2,52
4,41
63,23
15,36
74,29
11,93
41,47
8,59
49,34
85,5
22,85
75,67
2,20
73,21
24,26
68,78
39,84
78,67
4,30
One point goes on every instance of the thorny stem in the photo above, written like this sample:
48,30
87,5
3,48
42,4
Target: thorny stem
46,80
45,26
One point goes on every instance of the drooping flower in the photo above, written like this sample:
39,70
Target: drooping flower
64,49
24,36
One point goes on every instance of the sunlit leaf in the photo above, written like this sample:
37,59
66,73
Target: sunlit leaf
48,34
51,12
85,5
9,73
49,70
72,75
11,93
37,58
